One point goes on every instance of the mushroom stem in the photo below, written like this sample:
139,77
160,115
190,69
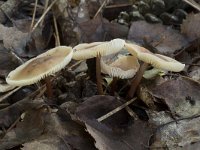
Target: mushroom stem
113,85
49,87
98,75
135,82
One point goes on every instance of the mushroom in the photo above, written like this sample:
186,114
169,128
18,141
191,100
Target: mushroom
123,67
86,50
41,67
6,87
156,60
119,66
97,49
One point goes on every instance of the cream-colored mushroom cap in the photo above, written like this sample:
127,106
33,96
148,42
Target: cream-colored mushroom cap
123,67
41,66
86,50
6,87
156,60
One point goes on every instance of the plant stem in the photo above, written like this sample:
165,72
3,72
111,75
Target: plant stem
113,85
135,82
49,87
98,75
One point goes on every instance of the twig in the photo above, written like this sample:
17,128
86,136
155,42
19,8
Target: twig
75,64
115,110
16,56
100,8
177,120
98,75
131,112
45,8
34,12
8,94
193,4
56,30
43,15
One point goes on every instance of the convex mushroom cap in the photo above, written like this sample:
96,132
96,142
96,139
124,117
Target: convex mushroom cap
91,50
156,60
41,66
123,67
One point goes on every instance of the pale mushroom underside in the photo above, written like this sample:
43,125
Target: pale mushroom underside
124,67
156,60
86,51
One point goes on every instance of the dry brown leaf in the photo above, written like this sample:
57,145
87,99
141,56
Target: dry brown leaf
116,132
181,95
13,39
47,142
7,62
190,26
166,40
100,29
178,135
29,128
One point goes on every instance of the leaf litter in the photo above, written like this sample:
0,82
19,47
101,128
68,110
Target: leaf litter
165,110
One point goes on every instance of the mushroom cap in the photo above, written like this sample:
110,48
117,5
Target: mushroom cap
41,66
6,87
86,51
124,67
156,60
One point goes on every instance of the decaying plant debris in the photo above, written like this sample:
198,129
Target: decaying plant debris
106,100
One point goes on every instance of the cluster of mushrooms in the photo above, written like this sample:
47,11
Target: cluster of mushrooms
120,66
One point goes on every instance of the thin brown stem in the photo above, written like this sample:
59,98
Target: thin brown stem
98,75
49,87
135,82
113,85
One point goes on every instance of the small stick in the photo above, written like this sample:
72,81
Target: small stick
193,4
43,15
57,33
8,94
75,64
131,112
45,8
98,75
100,8
115,110
34,12
135,82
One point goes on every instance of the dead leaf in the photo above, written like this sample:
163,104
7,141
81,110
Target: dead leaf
166,40
115,132
194,71
100,29
8,8
13,39
29,128
181,95
190,26
181,134
9,114
46,142
7,62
